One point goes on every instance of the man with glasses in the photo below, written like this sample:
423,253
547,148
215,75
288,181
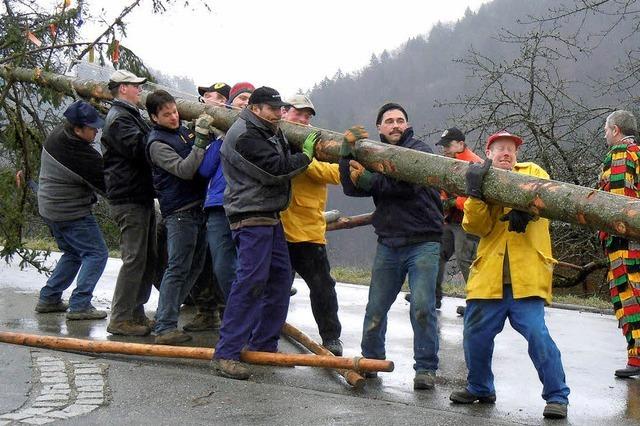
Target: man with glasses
130,194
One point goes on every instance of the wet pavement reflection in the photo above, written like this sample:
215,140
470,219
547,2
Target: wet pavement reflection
592,348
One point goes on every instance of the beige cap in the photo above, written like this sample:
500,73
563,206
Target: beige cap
124,76
301,102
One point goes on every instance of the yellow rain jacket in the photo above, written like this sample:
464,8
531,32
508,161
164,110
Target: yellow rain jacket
530,260
303,220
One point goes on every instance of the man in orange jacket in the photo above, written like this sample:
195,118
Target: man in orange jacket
454,238
304,229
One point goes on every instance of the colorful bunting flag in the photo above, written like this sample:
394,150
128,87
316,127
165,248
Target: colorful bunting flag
115,55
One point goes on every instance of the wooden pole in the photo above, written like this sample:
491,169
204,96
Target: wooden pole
587,207
351,376
348,222
139,349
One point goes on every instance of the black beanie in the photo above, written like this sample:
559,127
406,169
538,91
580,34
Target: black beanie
387,107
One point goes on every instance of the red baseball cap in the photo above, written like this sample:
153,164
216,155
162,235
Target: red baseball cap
503,134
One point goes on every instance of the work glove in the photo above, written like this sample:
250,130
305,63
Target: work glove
309,144
351,136
203,123
518,220
361,177
449,203
474,177
216,133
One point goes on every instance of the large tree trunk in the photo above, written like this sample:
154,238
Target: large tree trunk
570,203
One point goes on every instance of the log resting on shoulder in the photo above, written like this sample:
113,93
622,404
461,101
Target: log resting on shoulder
555,200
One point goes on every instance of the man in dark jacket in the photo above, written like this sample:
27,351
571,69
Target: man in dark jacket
130,193
408,221
71,172
258,166
175,159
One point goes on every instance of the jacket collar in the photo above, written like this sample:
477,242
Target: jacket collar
128,106
407,135
249,116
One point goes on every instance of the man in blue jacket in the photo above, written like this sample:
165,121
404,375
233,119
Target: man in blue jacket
408,221
175,159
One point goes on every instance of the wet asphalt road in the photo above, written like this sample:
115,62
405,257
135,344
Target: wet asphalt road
168,391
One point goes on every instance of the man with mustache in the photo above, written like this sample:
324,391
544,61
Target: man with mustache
408,222
175,154
510,278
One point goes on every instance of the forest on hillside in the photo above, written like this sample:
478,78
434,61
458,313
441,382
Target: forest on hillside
549,71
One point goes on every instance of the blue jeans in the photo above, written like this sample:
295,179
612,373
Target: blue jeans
484,319
390,267
84,254
259,299
186,244
222,248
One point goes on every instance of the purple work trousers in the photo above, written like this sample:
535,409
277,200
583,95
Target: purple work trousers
259,297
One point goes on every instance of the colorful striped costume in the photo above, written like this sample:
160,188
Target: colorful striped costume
621,175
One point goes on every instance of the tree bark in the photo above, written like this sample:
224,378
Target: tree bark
587,207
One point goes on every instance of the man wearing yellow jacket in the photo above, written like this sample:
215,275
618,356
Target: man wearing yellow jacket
510,278
304,228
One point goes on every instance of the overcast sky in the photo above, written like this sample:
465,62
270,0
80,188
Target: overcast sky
285,44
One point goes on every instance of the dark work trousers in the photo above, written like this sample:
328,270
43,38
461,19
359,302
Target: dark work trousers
138,250
259,298
464,245
310,261
206,294
187,249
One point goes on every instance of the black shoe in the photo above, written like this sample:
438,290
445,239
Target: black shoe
293,291
628,371
334,346
45,308
407,297
370,374
555,410
466,397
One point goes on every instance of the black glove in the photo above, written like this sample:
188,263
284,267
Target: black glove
474,177
518,220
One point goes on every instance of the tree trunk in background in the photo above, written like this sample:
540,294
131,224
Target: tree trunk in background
570,203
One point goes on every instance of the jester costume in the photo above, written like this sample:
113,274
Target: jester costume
621,175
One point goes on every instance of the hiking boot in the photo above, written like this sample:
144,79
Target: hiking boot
628,371
370,374
86,314
204,321
172,337
46,308
334,346
293,291
555,410
424,380
128,328
231,369
466,397
146,321
460,310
